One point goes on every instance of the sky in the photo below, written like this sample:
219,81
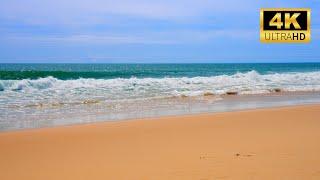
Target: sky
146,31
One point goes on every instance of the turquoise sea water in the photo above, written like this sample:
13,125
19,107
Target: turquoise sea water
108,71
42,95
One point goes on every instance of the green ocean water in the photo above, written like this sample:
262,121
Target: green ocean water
109,71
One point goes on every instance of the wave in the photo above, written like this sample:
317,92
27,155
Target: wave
244,83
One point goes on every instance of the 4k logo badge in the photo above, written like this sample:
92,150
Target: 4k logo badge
285,25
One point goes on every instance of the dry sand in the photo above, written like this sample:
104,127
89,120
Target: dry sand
278,143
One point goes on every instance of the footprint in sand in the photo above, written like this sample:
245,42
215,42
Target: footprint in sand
243,155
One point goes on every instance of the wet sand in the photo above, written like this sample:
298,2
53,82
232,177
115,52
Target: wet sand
275,143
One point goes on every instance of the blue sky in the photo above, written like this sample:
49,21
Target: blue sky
142,31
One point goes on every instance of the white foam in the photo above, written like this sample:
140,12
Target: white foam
52,90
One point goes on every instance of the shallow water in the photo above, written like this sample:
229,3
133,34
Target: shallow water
48,116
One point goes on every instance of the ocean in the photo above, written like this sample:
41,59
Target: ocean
45,95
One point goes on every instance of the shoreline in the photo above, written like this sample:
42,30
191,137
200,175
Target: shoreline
270,143
165,107
161,117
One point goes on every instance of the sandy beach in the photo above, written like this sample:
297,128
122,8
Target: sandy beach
276,143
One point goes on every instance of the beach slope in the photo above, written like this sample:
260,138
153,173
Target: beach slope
276,143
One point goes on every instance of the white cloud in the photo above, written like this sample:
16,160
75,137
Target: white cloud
75,12
90,11
69,13
164,37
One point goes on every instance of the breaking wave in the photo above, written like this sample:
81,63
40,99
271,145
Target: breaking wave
119,88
